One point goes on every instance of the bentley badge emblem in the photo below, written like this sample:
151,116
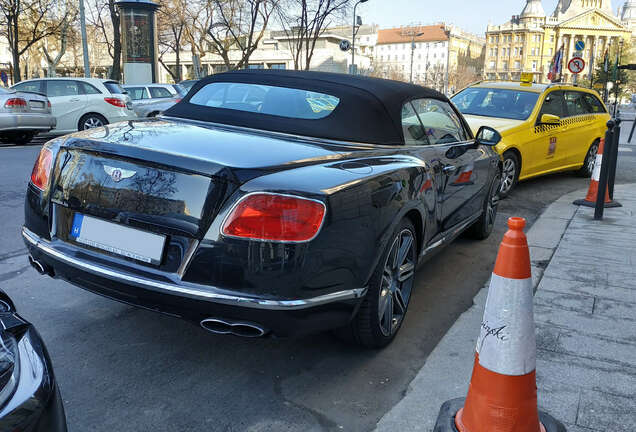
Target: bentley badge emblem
118,174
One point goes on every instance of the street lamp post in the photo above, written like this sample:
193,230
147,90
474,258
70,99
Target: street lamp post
413,36
353,36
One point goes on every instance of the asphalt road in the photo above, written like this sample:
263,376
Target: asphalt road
126,369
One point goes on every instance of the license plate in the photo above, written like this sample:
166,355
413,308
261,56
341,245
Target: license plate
36,104
118,239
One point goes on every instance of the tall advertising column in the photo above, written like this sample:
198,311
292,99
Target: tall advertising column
139,40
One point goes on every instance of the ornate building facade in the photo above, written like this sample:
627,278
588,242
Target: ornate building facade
529,41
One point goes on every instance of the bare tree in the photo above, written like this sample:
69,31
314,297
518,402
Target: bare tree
59,41
26,22
304,21
239,26
171,33
105,17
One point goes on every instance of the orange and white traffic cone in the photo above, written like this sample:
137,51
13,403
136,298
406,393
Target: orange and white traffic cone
592,192
502,396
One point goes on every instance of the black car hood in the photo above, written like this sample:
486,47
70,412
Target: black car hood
207,149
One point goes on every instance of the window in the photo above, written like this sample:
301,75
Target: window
414,133
114,87
576,104
441,123
88,89
159,92
264,99
517,64
534,66
489,102
594,104
137,93
59,88
553,104
255,66
552,38
29,86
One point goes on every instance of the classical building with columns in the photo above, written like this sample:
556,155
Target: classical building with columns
528,42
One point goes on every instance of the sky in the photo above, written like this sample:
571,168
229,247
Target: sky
470,15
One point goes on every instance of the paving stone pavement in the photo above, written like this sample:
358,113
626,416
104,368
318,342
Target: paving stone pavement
584,272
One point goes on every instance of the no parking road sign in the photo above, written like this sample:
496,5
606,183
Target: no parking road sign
576,65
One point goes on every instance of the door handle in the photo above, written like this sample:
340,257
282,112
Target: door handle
449,169
75,100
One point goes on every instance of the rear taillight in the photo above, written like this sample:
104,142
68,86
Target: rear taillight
48,103
177,100
15,103
116,101
42,169
271,217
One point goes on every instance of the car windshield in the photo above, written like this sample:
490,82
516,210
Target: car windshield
265,99
491,102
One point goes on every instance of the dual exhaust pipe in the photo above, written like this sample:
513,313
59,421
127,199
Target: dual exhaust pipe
40,267
236,328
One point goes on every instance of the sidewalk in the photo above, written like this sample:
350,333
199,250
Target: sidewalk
584,273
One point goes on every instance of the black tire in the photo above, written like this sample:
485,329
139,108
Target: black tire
589,161
510,173
482,228
368,328
153,114
91,121
18,138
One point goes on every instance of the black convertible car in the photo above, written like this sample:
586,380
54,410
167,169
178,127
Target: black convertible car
266,202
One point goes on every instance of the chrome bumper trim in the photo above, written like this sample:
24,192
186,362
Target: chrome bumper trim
196,291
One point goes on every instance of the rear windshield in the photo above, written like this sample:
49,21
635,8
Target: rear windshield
490,102
3,90
264,99
114,87
181,91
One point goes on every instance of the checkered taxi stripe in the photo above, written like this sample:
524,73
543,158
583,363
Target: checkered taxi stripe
568,121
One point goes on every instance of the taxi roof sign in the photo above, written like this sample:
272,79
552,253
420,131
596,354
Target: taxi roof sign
527,78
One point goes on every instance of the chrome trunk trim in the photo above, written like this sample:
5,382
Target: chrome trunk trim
195,291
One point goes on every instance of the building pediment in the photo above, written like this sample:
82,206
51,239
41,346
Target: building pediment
593,20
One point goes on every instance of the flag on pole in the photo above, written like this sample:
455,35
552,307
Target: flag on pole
556,65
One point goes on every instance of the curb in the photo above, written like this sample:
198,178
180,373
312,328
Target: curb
446,373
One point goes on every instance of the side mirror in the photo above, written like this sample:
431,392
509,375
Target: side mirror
550,119
487,136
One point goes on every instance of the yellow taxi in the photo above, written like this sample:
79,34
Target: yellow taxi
545,128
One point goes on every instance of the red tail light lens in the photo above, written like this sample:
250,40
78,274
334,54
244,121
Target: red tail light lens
116,101
42,169
48,103
15,103
273,217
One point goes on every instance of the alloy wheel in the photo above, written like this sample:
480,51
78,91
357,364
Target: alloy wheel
397,282
493,203
591,158
92,122
508,175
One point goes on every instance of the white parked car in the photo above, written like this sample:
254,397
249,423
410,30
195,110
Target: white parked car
82,103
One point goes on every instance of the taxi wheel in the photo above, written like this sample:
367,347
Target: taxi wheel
590,159
510,173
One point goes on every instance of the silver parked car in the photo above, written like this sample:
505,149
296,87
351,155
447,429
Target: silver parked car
152,99
23,115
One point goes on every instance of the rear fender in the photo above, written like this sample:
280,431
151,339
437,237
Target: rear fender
366,199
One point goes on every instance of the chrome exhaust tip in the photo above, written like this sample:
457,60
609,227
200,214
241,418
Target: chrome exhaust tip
37,265
236,328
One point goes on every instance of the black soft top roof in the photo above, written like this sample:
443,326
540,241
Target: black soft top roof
369,110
